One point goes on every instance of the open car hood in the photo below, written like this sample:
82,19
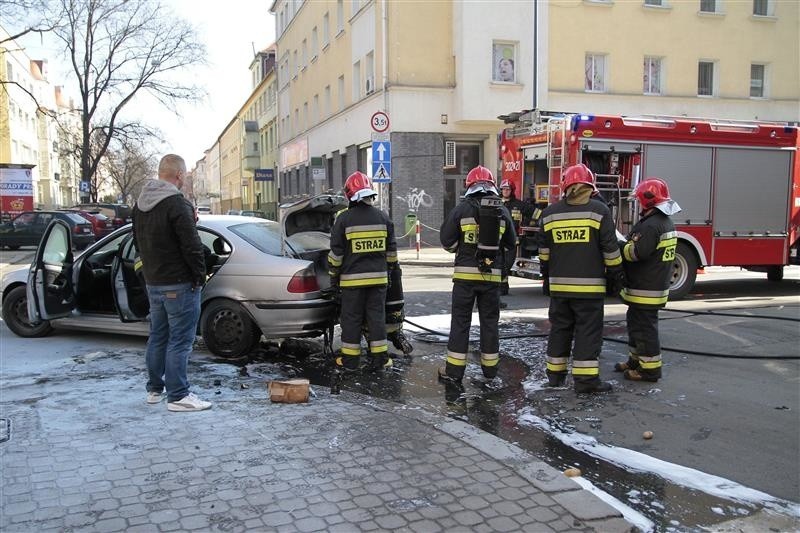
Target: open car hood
315,214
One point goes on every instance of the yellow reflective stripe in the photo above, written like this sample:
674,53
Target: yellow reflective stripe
578,288
585,371
137,265
379,349
613,262
366,234
469,227
334,261
649,366
351,351
552,367
647,300
363,282
478,277
667,242
575,223
456,358
490,359
629,251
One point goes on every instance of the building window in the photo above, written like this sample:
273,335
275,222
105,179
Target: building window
658,3
504,62
315,110
651,76
708,6
339,16
314,43
356,80
305,116
327,100
595,73
762,8
326,29
341,92
305,53
10,71
757,80
296,64
369,73
705,78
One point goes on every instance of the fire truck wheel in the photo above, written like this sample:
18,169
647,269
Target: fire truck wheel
684,272
775,273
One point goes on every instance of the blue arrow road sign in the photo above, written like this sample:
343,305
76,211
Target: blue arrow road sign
381,151
381,172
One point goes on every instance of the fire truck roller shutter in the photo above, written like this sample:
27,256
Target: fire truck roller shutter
687,172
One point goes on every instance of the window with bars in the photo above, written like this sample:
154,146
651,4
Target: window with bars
651,75
757,81
595,73
705,78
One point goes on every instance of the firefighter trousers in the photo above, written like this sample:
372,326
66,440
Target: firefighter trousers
579,320
359,305
643,342
465,293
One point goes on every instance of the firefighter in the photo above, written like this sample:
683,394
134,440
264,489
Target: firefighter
363,251
648,255
520,213
578,255
395,313
478,231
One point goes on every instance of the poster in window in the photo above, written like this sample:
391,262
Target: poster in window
542,193
504,68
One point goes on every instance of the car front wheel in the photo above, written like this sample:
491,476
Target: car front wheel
15,315
228,330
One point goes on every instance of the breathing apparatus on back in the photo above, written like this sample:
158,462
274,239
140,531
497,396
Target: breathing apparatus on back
482,188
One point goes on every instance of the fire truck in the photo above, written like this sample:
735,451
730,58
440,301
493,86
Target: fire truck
737,182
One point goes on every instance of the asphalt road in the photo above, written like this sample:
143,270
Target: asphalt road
734,418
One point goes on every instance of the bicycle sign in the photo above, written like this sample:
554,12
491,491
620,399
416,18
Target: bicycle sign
379,121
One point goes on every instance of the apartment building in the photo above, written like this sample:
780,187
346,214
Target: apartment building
732,59
441,71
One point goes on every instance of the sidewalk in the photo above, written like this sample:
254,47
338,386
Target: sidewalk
81,450
427,256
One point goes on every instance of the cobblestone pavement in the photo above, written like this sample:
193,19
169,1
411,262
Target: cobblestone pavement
83,452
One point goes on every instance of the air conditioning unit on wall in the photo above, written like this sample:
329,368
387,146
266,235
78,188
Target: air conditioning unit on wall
370,85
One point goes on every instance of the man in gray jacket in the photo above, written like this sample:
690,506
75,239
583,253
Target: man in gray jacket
171,252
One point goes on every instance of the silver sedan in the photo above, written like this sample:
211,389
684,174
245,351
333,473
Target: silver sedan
264,278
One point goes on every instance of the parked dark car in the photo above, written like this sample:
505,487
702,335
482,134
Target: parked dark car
101,224
119,214
27,228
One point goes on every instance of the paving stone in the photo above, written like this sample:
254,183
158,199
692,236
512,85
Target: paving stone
585,505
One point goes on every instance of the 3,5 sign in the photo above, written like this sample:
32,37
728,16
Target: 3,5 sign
380,121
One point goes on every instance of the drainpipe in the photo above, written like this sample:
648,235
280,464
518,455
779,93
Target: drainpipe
535,53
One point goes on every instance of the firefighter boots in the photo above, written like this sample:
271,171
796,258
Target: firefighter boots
630,364
556,380
591,387
400,342
379,362
445,378
637,375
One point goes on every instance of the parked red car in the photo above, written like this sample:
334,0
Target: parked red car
101,224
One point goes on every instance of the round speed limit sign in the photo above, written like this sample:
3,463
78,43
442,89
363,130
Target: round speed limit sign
380,121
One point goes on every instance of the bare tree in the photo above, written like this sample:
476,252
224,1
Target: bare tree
127,166
118,50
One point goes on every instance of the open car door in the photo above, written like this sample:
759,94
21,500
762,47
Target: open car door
50,285
129,291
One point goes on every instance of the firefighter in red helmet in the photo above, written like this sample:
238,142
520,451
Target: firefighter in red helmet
579,255
521,213
648,255
478,231
363,251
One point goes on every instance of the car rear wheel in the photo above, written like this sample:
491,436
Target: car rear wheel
228,330
15,315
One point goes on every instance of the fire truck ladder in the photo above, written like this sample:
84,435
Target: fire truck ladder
556,143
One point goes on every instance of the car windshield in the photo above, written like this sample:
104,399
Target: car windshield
265,236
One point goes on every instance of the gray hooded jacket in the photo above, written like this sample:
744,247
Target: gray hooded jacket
165,236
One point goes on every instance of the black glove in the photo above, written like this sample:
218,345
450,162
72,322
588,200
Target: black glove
546,286
615,281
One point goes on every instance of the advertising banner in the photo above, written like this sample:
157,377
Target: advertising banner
16,191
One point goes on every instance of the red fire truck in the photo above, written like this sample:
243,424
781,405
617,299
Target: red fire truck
738,183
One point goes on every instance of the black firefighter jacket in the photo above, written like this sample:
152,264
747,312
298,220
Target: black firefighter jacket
648,256
577,244
165,235
363,247
460,234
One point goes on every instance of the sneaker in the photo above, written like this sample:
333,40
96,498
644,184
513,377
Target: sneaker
190,402
154,397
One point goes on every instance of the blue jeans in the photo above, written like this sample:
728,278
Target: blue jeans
174,312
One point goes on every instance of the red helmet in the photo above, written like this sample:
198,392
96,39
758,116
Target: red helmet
510,185
478,174
358,186
579,173
651,191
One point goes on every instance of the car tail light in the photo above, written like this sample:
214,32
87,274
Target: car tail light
119,222
303,281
